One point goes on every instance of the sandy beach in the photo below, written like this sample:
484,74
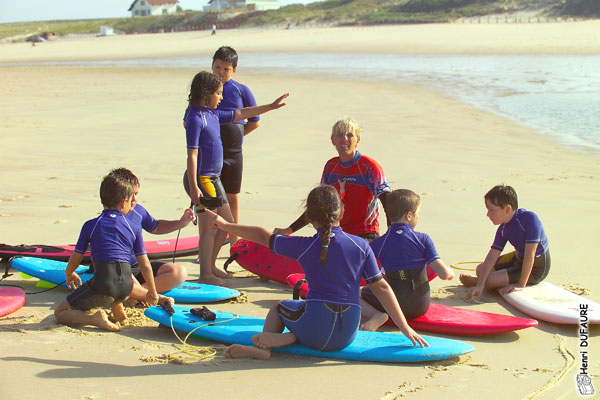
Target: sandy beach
64,128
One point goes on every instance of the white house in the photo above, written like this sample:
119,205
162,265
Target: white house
251,5
140,8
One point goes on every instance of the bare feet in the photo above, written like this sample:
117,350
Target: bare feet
267,340
468,280
213,280
118,312
162,299
100,319
374,323
220,274
241,351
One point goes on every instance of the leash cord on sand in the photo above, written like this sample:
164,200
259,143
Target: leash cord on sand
196,353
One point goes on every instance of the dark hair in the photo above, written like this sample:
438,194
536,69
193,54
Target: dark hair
203,85
401,201
125,175
226,54
114,190
503,195
324,206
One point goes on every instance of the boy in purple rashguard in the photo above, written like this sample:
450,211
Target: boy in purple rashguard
528,264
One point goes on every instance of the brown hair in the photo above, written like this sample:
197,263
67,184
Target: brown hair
203,86
125,175
503,195
401,201
113,190
324,206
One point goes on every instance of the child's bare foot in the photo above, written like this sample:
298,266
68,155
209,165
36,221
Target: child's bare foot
241,351
267,340
220,274
468,280
118,312
162,299
213,280
374,323
100,319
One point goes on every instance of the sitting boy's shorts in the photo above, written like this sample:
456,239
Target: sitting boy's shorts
514,264
211,188
320,326
111,283
137,273
411,288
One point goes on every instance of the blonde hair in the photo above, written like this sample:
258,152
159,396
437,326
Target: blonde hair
345,125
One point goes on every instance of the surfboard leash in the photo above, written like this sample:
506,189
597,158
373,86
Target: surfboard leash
196,353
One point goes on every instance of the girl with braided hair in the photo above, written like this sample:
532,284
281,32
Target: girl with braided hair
334,263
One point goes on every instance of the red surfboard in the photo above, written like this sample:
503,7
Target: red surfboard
450,320
11,299
156,250
259,260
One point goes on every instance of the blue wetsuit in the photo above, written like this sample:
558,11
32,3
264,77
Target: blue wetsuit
329,317
112,239
524,227
404,254
235,96
140,216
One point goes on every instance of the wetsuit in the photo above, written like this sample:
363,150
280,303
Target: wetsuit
112,239
235,96
329,317
404,254
524,227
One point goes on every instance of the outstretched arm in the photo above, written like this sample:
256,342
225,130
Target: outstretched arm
255,233
250,112
168,226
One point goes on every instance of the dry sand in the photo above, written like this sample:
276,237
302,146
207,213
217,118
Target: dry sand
63,128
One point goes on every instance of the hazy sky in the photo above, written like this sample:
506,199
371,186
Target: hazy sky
44,10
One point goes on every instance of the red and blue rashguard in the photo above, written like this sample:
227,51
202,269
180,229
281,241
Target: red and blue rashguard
359,182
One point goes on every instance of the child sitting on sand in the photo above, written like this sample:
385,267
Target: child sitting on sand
404,255
167,275
333,262
205,162
112,240
528,264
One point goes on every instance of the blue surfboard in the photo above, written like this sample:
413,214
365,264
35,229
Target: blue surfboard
368,346
54,272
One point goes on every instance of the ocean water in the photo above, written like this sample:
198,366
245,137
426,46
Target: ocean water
557,95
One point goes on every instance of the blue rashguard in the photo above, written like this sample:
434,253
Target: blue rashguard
202,126
401,248
237,96
112,239
404,254
524,227
329,317
139,216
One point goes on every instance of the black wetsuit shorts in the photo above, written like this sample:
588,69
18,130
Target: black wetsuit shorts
111,283
232,136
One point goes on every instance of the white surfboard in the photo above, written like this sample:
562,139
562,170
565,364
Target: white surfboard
551,303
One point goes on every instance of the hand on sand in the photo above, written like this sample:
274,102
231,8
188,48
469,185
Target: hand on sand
475,291
151,298
510,288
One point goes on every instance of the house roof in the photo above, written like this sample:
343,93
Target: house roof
155,3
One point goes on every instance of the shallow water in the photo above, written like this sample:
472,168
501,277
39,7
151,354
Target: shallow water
558,95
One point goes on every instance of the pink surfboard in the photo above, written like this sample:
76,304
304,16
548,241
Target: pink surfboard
451,320
156,250
259,260
11,299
